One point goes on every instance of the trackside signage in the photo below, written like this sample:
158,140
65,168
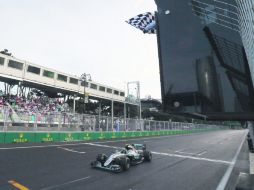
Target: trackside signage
22,137
48,138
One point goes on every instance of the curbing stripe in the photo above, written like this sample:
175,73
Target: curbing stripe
17,185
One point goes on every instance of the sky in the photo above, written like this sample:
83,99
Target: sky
81,36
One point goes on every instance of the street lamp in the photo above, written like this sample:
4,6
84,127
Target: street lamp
83,78
138,98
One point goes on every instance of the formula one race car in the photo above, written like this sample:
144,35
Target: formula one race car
121,160
137,153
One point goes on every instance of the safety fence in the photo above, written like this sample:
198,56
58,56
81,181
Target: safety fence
22,121
18,127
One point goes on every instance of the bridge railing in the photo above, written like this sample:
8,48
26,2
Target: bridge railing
24,121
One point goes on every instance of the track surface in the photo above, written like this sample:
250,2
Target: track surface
193,161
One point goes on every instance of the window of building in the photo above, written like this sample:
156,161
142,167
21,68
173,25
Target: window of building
82,83
32,69
102,88
93,86
15,65
73,81
62,78
48,74
1,61
109,90
116,92
121,93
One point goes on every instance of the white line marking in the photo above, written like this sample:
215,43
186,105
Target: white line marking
201,153
186,152
171,155
180,149
225,178
191,153
71,150
31,147
192,158
67,183
125,140
101,145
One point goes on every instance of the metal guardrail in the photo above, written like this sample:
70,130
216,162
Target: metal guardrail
24,121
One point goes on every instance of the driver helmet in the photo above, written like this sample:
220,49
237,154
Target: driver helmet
128,147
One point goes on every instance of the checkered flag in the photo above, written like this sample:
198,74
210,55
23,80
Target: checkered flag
145,22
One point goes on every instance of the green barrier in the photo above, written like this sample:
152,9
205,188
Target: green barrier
47,137
2,137
18,137
85,136
124,135
69,136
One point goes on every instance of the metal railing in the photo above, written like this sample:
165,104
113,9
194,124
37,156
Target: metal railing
24,121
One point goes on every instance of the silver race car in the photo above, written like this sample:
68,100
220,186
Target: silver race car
120,160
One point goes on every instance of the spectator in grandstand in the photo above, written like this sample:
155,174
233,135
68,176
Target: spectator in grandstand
33,104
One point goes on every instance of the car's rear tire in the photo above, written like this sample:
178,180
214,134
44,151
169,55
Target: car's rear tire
147,156
125,163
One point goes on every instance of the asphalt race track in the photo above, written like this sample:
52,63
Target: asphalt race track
200,161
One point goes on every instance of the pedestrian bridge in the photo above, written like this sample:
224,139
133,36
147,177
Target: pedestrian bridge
19,72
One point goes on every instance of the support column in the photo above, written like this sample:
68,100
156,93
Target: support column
112,114
107,124
124,113
99,119
6,114
74,103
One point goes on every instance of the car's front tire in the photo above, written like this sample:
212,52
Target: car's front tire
147,156
93,164
125,163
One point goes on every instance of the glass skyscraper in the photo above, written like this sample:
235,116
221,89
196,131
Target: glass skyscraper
206,57
245,9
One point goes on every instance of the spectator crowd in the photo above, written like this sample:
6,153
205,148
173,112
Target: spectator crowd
33,103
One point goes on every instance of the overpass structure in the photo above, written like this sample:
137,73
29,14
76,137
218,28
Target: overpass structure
15,71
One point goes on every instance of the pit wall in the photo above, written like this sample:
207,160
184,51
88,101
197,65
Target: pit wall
22,137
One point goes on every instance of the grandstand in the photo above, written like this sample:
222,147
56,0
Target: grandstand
57,91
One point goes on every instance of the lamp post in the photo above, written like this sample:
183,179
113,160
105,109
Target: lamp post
83,78
138,98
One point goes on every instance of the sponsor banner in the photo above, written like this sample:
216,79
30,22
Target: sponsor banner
69,136
19,137
85,136
47,137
